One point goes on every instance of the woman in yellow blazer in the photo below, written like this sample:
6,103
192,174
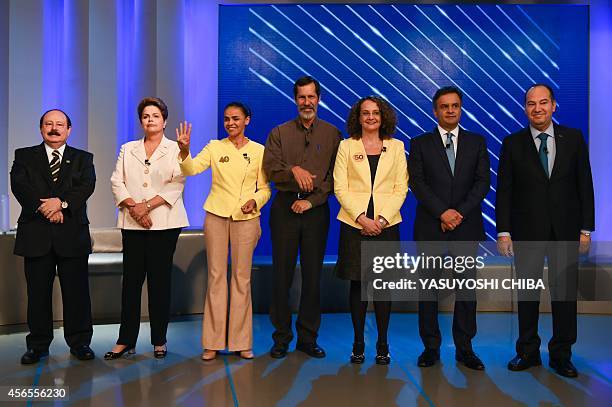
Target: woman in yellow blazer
147,185
239,190
370,183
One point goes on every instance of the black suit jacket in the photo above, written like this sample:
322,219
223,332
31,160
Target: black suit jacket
31,180
437,189
529,205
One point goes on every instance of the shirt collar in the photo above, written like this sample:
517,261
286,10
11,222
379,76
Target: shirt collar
454,132
50,150
550,130
299,124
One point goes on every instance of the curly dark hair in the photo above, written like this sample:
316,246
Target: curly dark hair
388,118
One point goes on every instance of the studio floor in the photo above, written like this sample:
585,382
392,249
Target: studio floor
183,379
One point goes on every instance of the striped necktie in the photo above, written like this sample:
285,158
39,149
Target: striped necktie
55,165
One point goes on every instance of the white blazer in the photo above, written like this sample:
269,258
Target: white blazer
133,178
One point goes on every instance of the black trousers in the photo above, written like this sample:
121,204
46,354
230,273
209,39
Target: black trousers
464,314
146,253
562,283
74,281
308,234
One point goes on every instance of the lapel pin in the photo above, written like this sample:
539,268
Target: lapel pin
67,161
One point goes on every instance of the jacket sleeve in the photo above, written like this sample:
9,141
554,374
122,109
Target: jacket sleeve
423,193
120,191
263,192
400,185
341,185
21,185
482,182
319,195
83,187
194,166
503,200
585,186
173,189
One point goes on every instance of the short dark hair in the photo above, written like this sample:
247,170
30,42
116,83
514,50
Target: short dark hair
153,101
388,118
242,106
306,80
42,118
445,90
552,94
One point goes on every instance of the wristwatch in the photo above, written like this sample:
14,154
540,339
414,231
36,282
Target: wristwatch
382,222
148,205
586,233
64,205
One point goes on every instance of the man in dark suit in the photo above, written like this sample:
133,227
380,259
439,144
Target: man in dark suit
449,176
545,205
52,182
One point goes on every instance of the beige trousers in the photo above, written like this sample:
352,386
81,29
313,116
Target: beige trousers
241,237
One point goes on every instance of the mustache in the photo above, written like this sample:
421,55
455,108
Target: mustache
307,107
53,133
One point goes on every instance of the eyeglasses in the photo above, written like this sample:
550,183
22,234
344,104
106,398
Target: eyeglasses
366,113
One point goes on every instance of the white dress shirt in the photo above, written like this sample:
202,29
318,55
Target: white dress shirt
454,136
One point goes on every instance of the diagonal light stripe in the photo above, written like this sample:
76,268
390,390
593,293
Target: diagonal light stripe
330,32
533,43
276,88
519,48
267,81
503,89
374,90
485,53
469,114
273,28
465,93
538,27
371,67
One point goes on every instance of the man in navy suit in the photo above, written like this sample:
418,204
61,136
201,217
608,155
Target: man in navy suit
52,182
545,208
449,176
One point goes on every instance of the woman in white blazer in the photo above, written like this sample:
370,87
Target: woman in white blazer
370,183
147,185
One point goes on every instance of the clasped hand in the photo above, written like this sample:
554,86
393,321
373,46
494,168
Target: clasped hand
450,219
139,212
51,209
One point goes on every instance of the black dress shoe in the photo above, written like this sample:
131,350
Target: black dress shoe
311,349
382,354
357,357
524,362
564,368
33,356
428,358
278,350
83,352
469,360
130,349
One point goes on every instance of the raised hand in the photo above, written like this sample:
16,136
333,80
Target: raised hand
183,137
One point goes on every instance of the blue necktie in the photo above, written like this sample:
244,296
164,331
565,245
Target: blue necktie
543,152
450,152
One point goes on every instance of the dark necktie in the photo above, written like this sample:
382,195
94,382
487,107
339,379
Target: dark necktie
450,151
543,152
55,165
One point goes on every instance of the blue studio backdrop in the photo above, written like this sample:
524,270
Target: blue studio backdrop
404,53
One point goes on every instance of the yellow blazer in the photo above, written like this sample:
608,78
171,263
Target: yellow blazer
353,186
133,178
237,177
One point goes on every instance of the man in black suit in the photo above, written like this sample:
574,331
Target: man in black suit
449,176
545,204
52,182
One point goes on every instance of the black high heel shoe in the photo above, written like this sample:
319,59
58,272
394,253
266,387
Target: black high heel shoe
382,354
129,349
357,357
160,354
